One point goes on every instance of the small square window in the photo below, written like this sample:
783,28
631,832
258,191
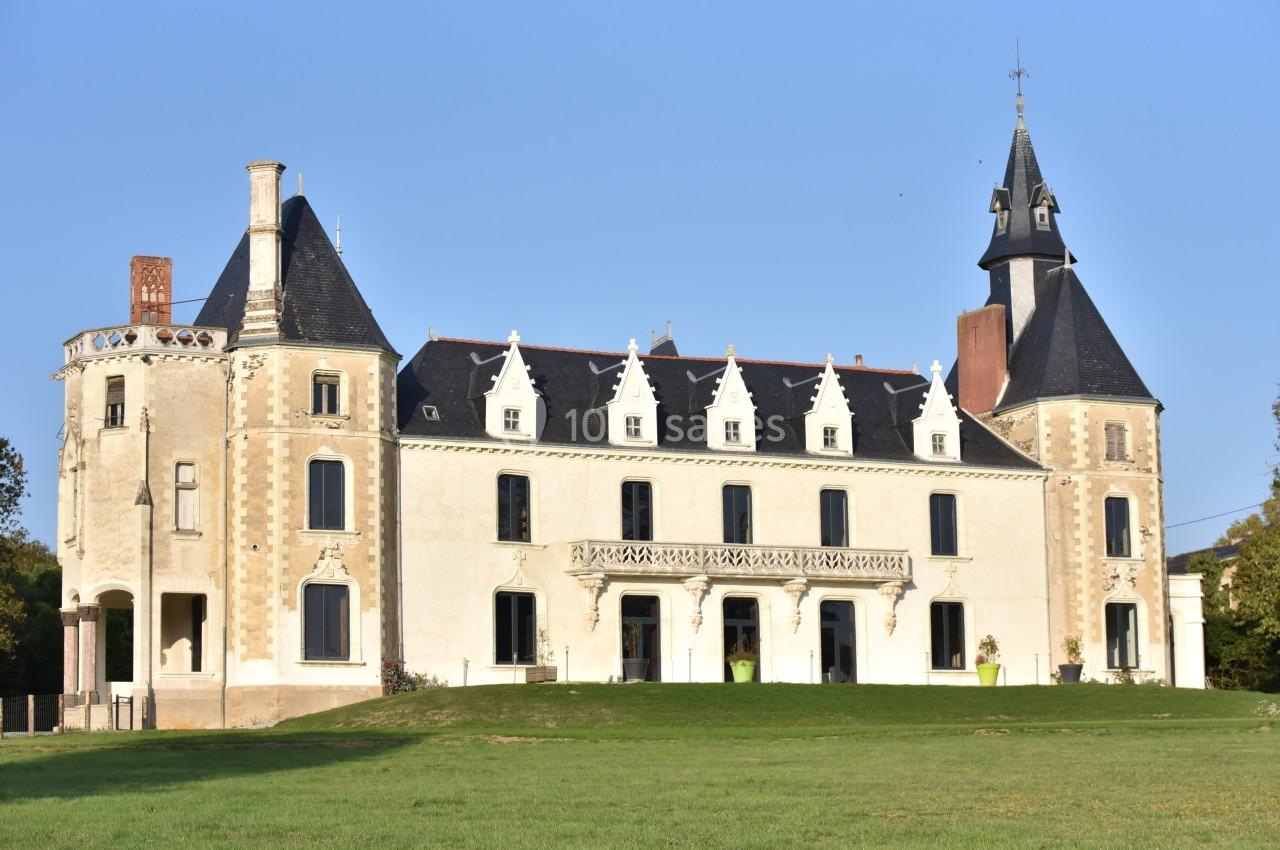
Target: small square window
939,444
1042,218
633,427
732,431
324,395
830,437
511,420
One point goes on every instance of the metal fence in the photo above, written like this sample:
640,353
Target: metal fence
30,714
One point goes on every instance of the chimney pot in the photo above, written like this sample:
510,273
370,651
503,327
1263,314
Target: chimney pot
857,360
262,304
150,290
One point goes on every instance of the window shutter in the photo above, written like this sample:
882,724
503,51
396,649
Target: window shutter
115,390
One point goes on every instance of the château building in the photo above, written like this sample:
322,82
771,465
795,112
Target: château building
278,510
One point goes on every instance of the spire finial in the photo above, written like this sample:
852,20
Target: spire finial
1016,75
338,233
299,182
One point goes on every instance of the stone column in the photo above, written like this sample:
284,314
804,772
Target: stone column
89,647
70,650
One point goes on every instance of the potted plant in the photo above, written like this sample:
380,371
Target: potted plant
545,670
742,660
1070,672
634,668
988,661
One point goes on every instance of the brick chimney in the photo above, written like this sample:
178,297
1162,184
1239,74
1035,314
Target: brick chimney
150,291
983,356
262,303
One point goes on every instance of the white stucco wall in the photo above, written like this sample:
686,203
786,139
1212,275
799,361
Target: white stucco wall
453,564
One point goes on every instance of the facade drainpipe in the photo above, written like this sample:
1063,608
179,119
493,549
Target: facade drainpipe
399,543
143,613
226,501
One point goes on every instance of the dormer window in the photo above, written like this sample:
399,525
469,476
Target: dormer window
939,445
1042,218
633,428
733,431
830,437
1002,221
511,420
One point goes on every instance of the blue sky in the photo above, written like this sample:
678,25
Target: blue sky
791,178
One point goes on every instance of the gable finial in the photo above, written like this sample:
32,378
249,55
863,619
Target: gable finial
935,368
338,244
830,359
514,337
730,351
631,346
1016,75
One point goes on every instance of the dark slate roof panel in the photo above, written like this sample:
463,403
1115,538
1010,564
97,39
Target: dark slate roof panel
322,304
1176,565
1067,349
453,375
1022,238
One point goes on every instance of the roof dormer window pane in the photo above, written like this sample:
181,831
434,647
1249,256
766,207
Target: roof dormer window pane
939,444
511,420
732,431
830,437
633,427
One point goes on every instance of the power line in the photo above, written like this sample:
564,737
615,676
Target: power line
1215,516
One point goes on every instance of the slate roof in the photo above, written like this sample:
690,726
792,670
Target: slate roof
1067,349
322,304
445,374
1176,565
1022,179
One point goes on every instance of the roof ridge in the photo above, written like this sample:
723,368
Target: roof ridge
623,356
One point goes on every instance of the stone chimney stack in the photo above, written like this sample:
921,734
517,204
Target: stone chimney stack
262,304
982,350
150,291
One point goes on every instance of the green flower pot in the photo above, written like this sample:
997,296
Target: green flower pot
743,671
988,674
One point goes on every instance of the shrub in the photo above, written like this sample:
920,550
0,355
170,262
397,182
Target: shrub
1071,646
397,680
988,650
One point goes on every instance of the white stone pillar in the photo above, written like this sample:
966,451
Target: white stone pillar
89,615
262,303
70,650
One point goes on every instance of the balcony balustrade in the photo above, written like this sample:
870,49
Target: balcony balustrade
725,560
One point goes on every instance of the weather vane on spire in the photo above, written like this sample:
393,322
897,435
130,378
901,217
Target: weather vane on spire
1018,73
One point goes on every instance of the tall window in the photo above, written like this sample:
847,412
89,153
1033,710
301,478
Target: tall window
326,622
637,510
184,497
1116,442
115,402
633,427
324,394
1117,515
1122,635
513,508
830,437
737,513
515,624
942,524
947,635
835,517
327,507
732,431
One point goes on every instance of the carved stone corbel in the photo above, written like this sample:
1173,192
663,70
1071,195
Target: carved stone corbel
697,587
795,588
593,584
892,592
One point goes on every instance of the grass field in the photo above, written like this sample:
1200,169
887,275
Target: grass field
697,766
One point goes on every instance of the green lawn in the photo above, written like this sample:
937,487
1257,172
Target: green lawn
698,766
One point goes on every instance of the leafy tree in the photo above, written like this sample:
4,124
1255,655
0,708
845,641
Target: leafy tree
1242,613
13,486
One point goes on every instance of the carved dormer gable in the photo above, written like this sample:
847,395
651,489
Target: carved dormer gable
633,400
732,413
829,410
513,407
937,430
